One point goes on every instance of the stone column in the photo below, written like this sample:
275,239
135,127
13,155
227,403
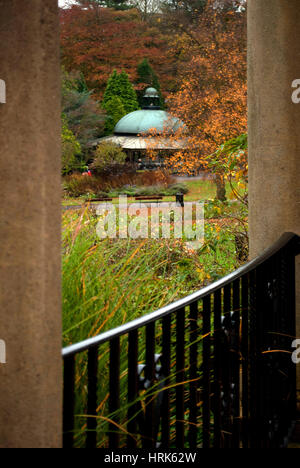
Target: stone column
274,123
30,302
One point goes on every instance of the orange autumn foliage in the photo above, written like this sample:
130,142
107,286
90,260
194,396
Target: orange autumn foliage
212,100
96,40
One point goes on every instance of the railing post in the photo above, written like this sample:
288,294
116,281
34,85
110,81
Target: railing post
114,392
132,388
291,305
226,368
253,409
194,343
166,370
245,361
69,402
206,370
236,363
91,437
217,369
149,441
180,377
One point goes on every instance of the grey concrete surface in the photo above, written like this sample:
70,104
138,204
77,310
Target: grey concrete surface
30,299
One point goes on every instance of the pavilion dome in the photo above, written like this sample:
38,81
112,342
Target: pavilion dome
149,118
143,121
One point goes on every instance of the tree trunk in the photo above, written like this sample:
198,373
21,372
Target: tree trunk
221,189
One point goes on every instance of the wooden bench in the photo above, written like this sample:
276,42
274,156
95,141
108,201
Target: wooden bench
179,199
99,200
151,198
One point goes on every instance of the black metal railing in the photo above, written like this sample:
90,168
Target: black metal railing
211,370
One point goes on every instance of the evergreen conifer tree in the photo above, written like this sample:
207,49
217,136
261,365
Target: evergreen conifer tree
120,86
128,94
112,87
115,111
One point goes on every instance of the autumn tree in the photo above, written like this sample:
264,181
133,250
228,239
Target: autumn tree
183,20
96,40
212,97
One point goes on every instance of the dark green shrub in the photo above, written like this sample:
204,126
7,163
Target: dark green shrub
109,158
71,149
177,188
150,191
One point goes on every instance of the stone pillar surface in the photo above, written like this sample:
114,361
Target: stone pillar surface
274,124
30,299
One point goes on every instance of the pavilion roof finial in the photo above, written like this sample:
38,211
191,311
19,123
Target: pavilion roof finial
151,99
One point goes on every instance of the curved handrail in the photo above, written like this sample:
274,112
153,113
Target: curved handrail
286,240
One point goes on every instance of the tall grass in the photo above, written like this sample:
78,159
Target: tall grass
109,282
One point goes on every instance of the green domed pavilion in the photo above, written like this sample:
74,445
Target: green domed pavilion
131,131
